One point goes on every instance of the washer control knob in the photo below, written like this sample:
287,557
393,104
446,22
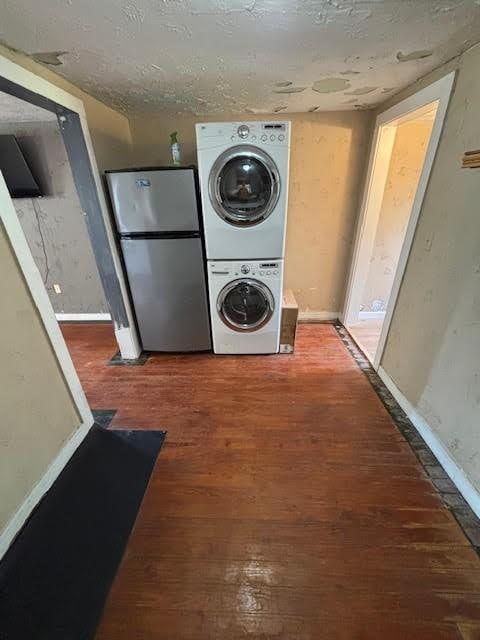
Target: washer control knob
264,138
243,131
261,273
281,137
245,269
254,137
272,138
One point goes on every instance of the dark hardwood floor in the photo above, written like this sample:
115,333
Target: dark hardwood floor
284,504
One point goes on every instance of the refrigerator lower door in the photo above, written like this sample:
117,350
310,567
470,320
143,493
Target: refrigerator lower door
167,283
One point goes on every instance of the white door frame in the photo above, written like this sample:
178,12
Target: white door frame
10,222
378,165
127,337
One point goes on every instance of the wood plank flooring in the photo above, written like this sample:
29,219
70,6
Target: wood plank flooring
284,504
367,334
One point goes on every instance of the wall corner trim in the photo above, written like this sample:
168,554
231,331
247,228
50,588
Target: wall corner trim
15,524
454,471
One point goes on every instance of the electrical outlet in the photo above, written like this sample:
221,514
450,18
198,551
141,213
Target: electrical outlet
56,288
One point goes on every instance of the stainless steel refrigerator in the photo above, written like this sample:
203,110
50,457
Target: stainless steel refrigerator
157,217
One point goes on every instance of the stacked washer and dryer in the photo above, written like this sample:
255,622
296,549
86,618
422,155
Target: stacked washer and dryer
243,169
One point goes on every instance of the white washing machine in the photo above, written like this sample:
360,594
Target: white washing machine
243,170
245,305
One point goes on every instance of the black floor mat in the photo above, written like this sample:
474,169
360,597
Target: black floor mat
55,578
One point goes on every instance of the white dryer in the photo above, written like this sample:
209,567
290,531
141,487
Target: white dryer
243,170
245,305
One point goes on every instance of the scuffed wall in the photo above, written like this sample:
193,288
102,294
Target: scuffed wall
109,129
328,156
408,154
433,348
38,413
54,224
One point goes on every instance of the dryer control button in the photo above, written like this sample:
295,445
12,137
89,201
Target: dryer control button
243,131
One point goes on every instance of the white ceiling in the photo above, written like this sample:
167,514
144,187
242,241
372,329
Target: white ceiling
16,110
209,56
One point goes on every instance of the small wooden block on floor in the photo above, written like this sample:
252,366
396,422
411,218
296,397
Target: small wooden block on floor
289,322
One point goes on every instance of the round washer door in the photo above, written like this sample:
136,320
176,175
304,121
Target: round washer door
245,305
244,185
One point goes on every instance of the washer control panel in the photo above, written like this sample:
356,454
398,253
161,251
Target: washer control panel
246,269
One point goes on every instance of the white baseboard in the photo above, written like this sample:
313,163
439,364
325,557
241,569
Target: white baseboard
454,471
317,316
371,315
8,534
129,346
82,317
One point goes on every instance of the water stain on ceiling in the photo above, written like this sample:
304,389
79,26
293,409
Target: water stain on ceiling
290,90
330,85
50,58
361,91
413,55
214,56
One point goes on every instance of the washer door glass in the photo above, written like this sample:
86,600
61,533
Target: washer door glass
245,305
244,186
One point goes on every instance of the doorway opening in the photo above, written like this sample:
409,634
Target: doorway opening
404,145
51,126
51,217
410,136
67,114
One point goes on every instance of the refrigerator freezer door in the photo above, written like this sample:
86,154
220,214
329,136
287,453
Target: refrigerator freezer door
167,283
154,201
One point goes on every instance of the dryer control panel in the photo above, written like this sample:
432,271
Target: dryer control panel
246,269
251,132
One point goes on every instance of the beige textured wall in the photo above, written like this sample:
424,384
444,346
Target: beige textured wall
433,348
37,412
110,130
328,156
408,154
